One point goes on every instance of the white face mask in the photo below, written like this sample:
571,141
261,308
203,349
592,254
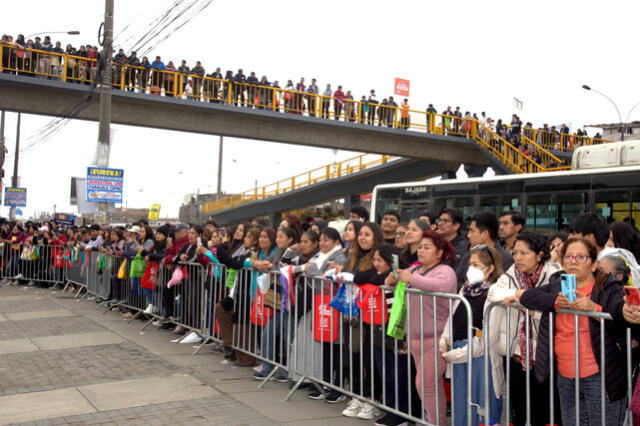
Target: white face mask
475,275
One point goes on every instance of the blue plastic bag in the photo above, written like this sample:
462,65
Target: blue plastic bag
345,300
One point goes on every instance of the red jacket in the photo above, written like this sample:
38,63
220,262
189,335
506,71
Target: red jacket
175,249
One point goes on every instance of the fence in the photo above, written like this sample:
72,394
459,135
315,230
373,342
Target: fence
32,263
336,336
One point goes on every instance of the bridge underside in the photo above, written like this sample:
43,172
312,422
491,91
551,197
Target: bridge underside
54,98
357,183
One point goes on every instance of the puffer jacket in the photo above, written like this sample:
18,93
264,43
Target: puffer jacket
506,286
610,298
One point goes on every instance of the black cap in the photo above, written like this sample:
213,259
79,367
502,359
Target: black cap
164,230
95,227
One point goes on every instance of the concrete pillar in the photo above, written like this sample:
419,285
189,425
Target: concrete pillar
350,201
275,219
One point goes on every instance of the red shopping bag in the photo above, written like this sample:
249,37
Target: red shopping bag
150,277
373,304
260,314
326,319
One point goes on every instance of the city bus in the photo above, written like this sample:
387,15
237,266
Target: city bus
549,201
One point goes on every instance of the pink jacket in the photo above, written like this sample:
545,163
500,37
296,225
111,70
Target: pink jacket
440,279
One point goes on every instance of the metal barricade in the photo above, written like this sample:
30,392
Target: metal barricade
349,352
214,291
29,263
534,404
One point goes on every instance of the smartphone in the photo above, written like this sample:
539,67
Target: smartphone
633,295
395,265
568,285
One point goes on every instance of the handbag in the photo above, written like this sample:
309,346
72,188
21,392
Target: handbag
231,278
176,277
150,277
398,313
260,313
345,300
272,299
122,271
373,304
138,266
326,320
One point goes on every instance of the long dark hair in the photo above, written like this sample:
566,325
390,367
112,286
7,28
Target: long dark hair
272,239
626,237
360,259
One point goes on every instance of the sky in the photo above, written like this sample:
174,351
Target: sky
478,55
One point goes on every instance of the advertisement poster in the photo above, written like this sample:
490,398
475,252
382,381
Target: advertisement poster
104,185
15,197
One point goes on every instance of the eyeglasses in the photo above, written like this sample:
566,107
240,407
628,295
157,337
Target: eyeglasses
579,258
443,220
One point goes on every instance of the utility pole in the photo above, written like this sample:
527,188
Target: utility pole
16,157
104,133
103,148
220,168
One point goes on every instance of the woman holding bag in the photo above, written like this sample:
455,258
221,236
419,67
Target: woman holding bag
485,266
433,274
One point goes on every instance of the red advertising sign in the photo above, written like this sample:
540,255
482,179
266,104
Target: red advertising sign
401,87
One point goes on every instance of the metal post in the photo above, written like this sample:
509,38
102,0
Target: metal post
16,157
220,149
104,137
2,147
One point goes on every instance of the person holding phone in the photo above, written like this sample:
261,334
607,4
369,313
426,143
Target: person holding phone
596,292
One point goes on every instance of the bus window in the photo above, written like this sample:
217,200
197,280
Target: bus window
570,206
498,204
541,213
635,208
466,206
612,206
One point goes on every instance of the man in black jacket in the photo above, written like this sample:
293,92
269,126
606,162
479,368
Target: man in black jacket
238,87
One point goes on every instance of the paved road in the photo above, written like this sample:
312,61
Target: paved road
61,362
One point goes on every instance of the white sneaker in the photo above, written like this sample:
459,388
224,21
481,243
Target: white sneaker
353,408
149,309
157,323
368,412
190,338
18,277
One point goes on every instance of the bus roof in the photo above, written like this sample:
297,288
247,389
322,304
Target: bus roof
506,178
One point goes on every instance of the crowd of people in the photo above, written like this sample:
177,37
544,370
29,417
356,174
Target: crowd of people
485,259
193,82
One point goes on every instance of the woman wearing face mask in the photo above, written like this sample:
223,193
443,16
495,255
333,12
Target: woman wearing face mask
531,269
433,274
485,266
412,238
595,292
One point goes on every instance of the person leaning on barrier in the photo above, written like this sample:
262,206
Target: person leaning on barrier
390,355
413,237
433,274
350,235
175,244
236,309
485,267
531,269
595,292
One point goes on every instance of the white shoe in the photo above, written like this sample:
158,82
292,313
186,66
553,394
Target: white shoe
157,323
368,412
353,408
149,309
190,338
18,277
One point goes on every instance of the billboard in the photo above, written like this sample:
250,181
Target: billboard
401,87
154,212
15,197
104,185
64,219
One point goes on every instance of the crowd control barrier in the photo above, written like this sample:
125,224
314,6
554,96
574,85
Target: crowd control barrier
380,345
515,314
32,263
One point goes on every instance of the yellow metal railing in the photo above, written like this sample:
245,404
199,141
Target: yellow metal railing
329,171
80,69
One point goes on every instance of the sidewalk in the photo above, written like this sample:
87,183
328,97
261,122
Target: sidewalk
62,362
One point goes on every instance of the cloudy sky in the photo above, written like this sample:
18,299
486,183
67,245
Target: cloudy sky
475,54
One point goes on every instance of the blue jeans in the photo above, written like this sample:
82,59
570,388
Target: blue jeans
459,384
135,287
590,414
280,324
148,295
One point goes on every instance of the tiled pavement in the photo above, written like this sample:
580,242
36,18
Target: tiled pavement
129,380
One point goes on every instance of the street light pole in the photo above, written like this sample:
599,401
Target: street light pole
622,125
53,32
